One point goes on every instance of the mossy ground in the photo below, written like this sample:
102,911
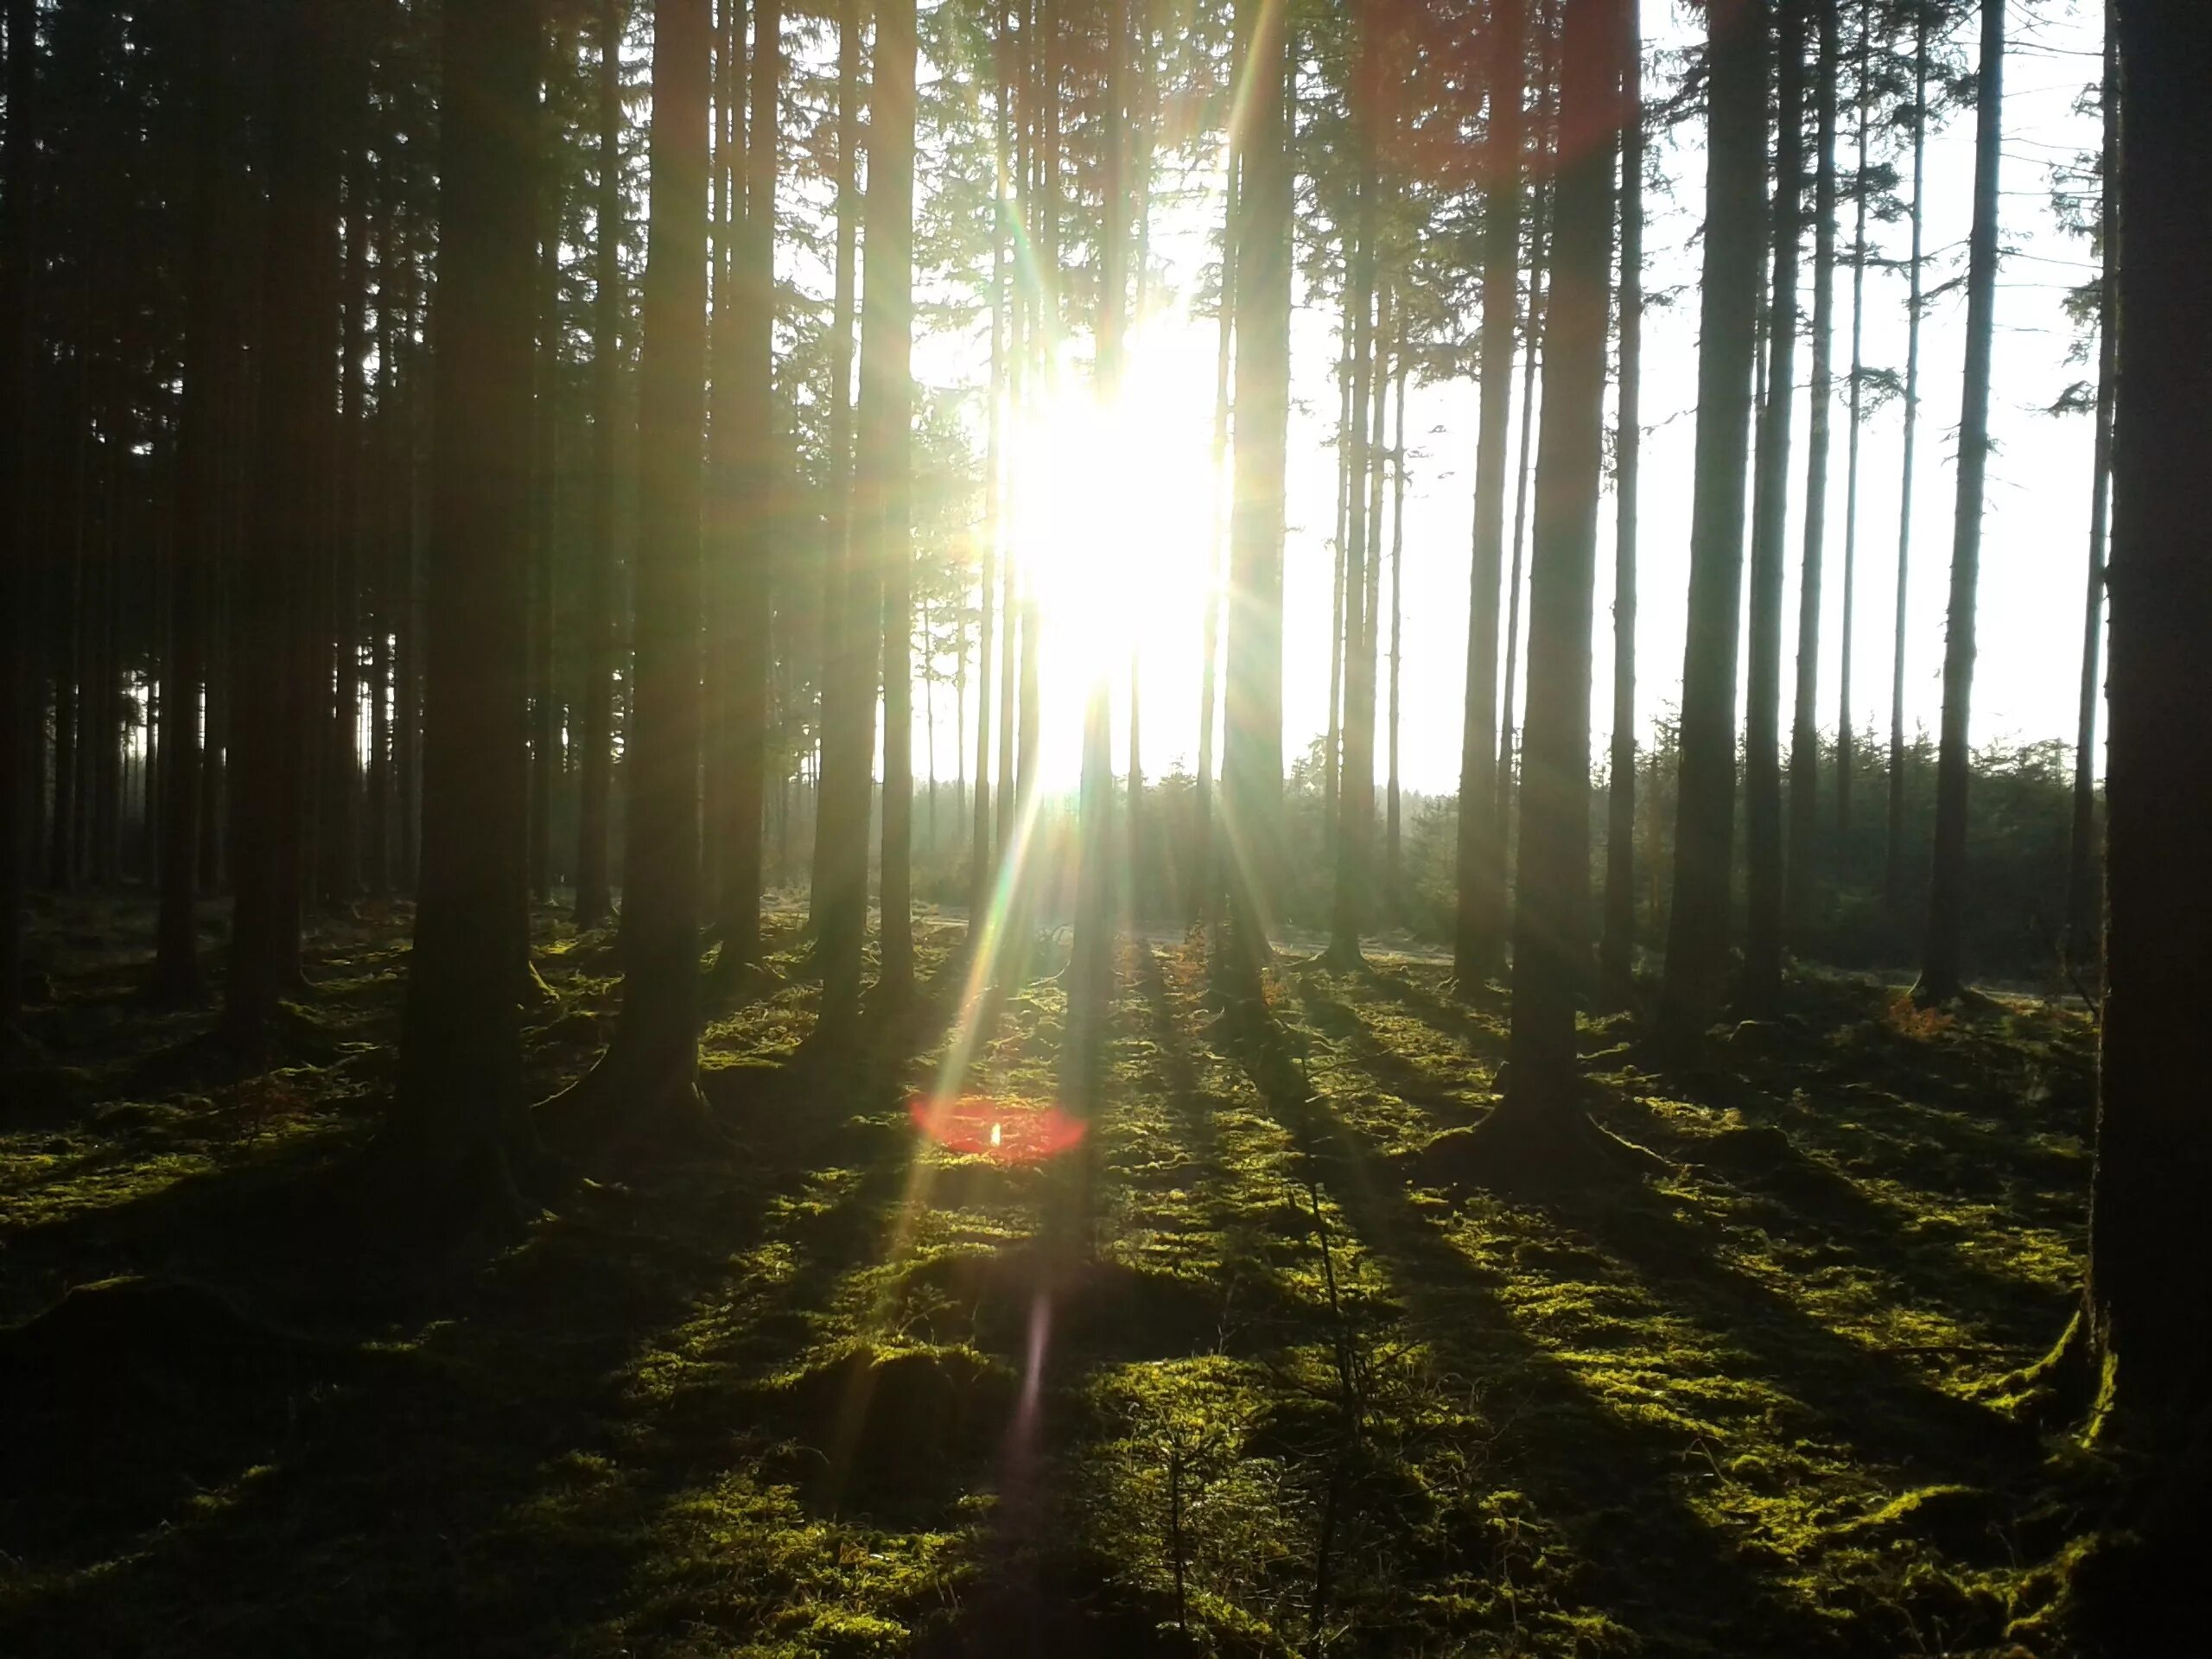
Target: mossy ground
1231,1377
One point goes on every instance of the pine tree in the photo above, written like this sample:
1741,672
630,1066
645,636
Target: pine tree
1941,964
1697,935
459,1114
1616,948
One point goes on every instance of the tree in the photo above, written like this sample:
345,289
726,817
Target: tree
458,1114
1804,733
2145,1314
1251,778
273,612
599,619
1550,934
1479,926
1941,964
746,523
1617,948
1697,933
850,621
1846,735
883,471
1763,843
17,151
2082,848
1893,835
651,1065
199,527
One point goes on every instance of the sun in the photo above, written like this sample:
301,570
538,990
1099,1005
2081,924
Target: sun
1113,524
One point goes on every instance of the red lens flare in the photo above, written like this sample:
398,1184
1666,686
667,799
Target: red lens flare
1006,1131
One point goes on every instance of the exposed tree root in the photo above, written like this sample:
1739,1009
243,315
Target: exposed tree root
1534,1150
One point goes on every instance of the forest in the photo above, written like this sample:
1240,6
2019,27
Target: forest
745,910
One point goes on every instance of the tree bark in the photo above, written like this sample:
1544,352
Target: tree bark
17,787
1847,748
1804,732
1893,832
1697,929
459,1116
1617,948
1479,933
2081,861
1550,935
1251,778
1941,963
199,517
883,473
2148,1326
1762,826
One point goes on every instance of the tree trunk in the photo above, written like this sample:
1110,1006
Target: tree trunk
601,623
653,1060
1355,791
199,517
1210,887
1550,937
544,497
280,629
1616,948
839,895
1251,775
1697,927
979,862
1847,748
1893,833
1941,964
1763,829
1479,933
459,1116
1804,732
17,786
745,530
1392,861
2082,862
2147,1316
883,474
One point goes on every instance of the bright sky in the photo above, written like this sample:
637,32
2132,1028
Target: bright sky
1116,512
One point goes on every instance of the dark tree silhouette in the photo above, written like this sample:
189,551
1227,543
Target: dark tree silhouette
1477,938
1617,950
459,1116
1697,935
1941,963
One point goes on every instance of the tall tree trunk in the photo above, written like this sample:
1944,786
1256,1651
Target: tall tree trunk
1942,963
601,608
459,1114
1217,543
276,707
1550,937
1705,812
2082,862
545,483
884,472
748,525
653,1060
1479,933
1392,861
1501,804
1762,826
340,876
1846,747
2146,1317
848,679
1356,791
17,786
1894,832
1616,948
199,515
979,862
1804,732
1251,776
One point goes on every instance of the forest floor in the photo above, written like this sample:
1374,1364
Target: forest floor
1231,1373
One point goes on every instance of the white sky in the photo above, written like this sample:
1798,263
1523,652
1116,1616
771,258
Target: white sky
1127,511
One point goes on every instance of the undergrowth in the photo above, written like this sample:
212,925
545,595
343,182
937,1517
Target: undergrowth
1228,1377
